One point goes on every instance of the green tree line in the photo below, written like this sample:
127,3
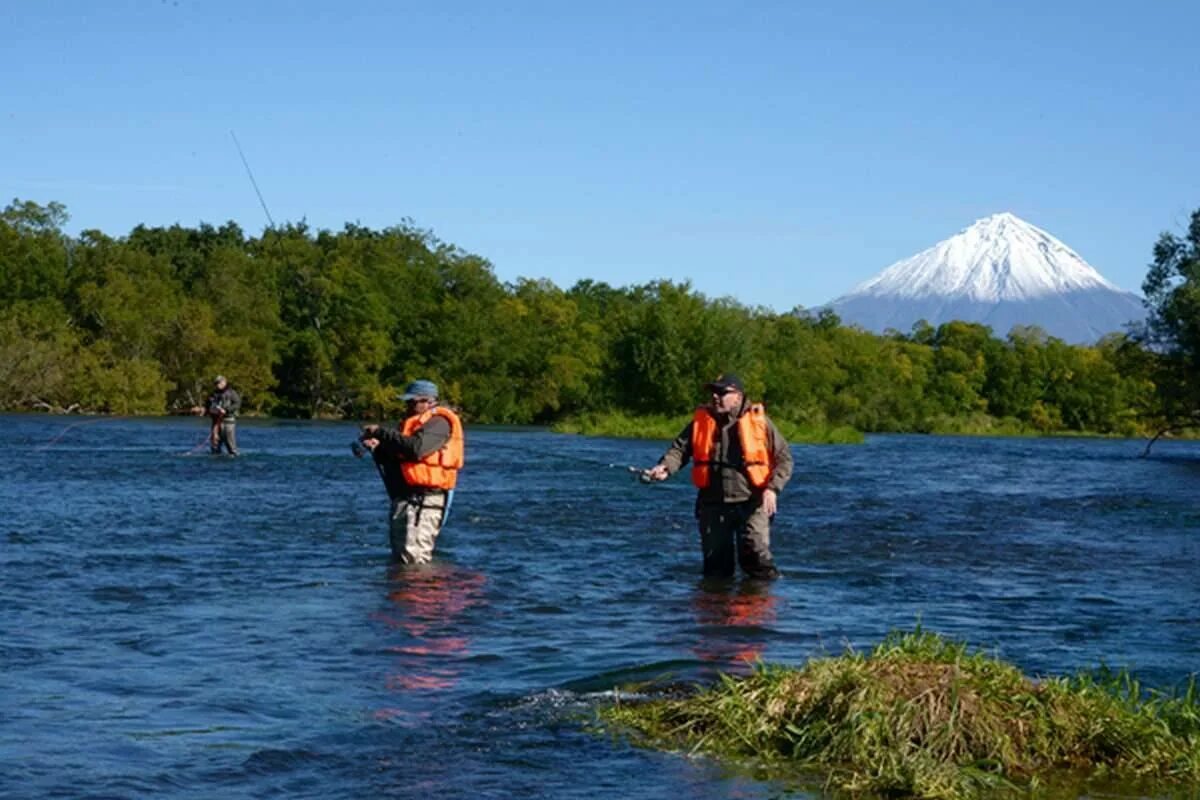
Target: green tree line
313,323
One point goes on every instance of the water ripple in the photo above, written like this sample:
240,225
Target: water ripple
190,627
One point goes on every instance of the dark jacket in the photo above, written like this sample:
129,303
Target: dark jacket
224,403
734,486
395,448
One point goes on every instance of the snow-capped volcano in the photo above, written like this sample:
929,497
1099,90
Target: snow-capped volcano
1001,272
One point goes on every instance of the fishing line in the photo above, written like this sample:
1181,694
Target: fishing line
639,471
316,321
203,441
72,426
359,450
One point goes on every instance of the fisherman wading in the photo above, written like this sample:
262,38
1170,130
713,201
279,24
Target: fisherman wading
222,408
740,463
419,464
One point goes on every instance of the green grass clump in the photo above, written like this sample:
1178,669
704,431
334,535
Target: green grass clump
618,424
627,426
921,716
797,433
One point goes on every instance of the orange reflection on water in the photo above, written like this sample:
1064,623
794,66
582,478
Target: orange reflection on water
411,682
729,614
434,647
425,604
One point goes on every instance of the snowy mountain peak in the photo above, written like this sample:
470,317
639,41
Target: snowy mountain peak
1000,257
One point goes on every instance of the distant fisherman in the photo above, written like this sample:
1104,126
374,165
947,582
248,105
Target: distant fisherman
222,408
419,464
740,463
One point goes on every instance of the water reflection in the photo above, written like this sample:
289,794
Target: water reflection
733,617
425,610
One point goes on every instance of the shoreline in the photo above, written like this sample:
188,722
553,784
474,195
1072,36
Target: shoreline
662,427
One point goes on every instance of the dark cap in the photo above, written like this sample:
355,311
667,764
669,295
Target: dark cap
724,383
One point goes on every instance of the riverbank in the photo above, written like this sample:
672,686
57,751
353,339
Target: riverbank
619,425
665,427
922,716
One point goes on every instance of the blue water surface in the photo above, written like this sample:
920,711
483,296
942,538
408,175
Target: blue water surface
177,625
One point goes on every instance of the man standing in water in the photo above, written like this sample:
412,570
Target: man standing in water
740,463
222,408
419,464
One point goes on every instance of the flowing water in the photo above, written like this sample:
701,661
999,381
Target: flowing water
176,625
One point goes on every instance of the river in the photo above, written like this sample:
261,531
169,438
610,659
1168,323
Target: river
182,626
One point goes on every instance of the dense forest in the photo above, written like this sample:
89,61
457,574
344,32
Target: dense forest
311,323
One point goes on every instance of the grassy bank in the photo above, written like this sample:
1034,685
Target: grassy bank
667,427
981,424
921,716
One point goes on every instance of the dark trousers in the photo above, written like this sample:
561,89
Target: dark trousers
736,533
226,436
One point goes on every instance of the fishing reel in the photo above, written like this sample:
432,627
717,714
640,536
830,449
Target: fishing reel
358,448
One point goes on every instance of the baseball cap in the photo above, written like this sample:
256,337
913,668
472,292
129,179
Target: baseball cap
420,389
724,383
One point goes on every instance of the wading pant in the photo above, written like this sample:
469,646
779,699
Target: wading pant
227,436
416,522
741,530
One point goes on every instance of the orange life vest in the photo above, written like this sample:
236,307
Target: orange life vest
752,432
439,469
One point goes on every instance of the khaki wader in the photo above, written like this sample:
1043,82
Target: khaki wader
415,524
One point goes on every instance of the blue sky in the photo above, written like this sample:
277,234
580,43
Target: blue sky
778,153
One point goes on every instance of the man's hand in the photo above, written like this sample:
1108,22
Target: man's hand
656,473
369,437
770,502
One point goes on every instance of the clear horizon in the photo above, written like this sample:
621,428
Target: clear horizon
777,155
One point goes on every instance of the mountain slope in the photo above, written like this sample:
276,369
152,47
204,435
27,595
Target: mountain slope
1000,271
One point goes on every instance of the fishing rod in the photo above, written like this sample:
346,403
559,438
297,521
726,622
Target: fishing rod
253,182
641,473
359,450
316,321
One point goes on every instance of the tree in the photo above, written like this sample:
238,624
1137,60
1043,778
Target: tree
38,352
1172,329
34,252
960,360
658,368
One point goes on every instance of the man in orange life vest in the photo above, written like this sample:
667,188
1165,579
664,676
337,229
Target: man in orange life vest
740,463
419,464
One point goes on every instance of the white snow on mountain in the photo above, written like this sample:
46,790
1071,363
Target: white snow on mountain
1001,257
1000,271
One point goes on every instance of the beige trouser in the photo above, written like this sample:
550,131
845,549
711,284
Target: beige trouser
416,522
